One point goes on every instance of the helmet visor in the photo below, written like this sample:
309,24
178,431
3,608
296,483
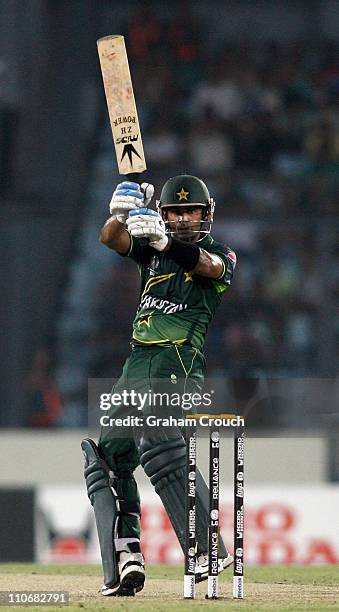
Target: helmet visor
184,228
188,230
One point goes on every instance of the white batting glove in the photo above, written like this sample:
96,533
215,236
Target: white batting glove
146,223
148,191
126,197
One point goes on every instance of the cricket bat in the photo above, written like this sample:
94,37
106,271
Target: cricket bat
121,105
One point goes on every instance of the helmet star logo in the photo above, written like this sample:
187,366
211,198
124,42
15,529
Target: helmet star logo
182,194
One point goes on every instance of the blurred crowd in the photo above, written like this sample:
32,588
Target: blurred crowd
261,124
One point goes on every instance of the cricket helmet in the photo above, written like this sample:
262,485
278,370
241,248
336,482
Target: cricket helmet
185,191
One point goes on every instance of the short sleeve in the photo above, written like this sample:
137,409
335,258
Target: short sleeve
228,259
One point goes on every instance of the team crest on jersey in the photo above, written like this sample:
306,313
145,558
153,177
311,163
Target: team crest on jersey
154,263
232,257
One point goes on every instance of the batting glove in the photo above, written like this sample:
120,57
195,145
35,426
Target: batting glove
148,191
146,223
128,196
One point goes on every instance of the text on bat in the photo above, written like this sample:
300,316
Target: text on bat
125,119
125,139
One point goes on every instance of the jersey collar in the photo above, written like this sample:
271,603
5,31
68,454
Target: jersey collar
205,241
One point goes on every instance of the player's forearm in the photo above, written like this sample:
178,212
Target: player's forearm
194,259
115,236
208,265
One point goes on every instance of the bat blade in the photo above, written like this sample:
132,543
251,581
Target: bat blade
121,104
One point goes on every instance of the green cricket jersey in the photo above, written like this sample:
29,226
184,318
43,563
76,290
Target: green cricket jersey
175,307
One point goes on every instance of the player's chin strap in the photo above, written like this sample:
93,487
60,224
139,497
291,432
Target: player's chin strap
101,492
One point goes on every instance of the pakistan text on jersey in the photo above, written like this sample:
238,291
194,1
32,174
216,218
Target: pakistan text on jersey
164,305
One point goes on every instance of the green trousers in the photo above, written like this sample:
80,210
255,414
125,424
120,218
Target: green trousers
148,370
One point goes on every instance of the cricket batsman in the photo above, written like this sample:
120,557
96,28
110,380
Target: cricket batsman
184,273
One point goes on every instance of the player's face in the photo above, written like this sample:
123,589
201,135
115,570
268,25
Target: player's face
185,222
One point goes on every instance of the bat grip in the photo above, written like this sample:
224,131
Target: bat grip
134,177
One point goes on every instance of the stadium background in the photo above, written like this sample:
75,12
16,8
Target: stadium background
245,95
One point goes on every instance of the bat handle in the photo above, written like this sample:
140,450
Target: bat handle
134,177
